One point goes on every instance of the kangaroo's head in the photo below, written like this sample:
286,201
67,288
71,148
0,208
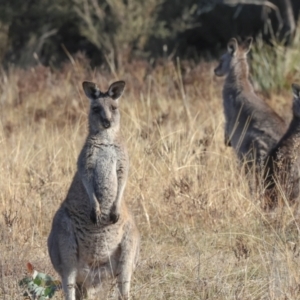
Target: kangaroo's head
104,111
296,100
235,52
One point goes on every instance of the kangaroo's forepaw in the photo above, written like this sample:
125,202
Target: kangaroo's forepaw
95,217
114,217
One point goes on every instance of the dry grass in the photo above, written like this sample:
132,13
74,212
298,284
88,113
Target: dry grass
203,235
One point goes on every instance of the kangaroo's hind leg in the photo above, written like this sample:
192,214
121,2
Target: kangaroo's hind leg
63,252
68,272
69,284
127,261
69,267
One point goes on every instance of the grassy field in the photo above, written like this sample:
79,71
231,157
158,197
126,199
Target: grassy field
203,235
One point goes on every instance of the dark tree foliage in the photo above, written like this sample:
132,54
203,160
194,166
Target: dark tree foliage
39,28
206,25
48,31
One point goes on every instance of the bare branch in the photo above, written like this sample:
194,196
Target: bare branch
255,2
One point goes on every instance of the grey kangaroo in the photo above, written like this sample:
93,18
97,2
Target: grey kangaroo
93,235
252,128
283,162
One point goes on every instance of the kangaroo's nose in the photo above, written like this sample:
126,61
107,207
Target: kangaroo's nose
106,123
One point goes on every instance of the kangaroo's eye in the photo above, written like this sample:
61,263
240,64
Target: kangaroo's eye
113,107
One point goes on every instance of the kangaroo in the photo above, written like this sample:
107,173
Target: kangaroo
283,162
252,128
93,235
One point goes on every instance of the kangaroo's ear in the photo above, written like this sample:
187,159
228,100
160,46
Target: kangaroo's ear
296,90
116,89
91,90
247,43
232,46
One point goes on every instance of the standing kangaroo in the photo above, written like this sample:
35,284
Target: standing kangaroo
252,128
283,162
93,235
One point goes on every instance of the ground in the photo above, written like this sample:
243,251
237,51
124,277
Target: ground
203,235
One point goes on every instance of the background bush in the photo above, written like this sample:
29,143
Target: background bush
111,31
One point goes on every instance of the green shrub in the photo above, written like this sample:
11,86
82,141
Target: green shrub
275,67
38,286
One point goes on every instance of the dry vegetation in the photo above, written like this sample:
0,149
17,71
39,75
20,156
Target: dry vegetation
203,235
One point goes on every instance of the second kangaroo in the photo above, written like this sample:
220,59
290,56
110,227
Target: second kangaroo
283,163
252,128
93,234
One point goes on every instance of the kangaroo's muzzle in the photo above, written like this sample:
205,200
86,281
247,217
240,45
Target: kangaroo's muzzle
106,123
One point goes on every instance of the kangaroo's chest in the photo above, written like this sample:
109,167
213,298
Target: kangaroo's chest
103,169
98,247
105,162
104,156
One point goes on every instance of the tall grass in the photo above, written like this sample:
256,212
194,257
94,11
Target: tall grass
203,235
